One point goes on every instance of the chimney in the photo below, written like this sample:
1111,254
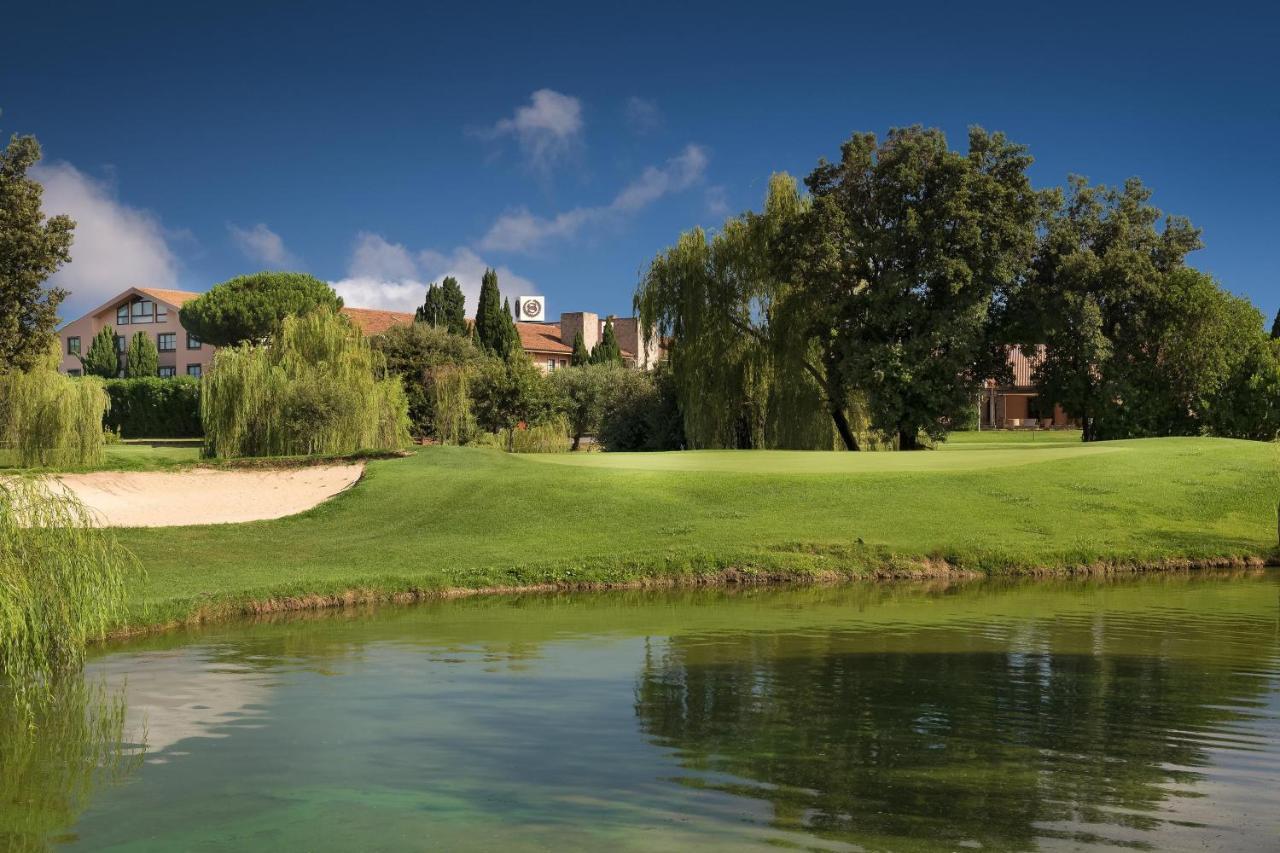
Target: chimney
580,321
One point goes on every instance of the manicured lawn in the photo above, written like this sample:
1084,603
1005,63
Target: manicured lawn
140,456
465,518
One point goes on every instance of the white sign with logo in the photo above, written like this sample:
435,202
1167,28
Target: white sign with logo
531,309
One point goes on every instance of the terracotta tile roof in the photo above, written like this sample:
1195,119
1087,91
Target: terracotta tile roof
373,321
542,337
176,298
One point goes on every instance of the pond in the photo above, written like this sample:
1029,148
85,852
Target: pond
1142,713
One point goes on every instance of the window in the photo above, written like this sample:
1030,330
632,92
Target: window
192,341
73,345
122,343
167,341
563,363
193,370
144,311
551,364
162,313
122,315
168,372
73,372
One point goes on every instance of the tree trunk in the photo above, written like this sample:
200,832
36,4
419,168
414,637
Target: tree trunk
842,427
577,439
908,438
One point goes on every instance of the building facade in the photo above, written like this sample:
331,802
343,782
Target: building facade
1018,405
155,311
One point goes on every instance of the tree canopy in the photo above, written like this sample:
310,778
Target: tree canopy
445,307
32,248
251,308
580,355
607,351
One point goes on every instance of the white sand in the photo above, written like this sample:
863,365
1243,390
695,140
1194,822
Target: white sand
205,495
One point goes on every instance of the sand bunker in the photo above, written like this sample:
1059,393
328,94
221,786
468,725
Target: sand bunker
205,495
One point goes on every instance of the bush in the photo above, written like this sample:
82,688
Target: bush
550,436
507,392
642,413
318,389
50,420
154,408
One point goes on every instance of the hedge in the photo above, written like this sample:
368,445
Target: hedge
151,407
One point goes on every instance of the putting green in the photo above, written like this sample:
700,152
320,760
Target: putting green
954,458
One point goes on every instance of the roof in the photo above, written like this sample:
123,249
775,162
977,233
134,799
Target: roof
542,337
176,298
374,321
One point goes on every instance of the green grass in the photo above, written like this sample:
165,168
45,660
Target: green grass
450,517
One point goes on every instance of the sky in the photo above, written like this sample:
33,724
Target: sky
382,146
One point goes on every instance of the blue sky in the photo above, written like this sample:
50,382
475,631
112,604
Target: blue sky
380,146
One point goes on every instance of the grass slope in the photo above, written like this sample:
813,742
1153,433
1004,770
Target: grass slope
450,518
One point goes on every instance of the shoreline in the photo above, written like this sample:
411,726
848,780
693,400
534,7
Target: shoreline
235,607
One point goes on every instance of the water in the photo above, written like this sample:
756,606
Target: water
1055,715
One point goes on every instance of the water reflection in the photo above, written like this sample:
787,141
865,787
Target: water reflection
58,746
1086,730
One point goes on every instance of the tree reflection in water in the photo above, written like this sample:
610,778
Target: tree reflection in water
937,738
58,745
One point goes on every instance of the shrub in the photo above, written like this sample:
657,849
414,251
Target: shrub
641,413
550,436
50,420
318,389
506,392
62,582
155,408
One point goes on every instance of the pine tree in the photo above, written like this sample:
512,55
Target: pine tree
607,351
489,313
510,341
144,358
101,359
580,355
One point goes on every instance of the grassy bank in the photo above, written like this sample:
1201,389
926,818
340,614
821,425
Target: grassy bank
457,518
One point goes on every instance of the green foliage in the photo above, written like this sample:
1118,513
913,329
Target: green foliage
489,325
32,248
318,389
749,360
445,307
641,411
607,350
102,359
62,582
507,392
450,391
143,359
1247,404
50,420
418,352
903,259
581,394
550,436
154,408
250,308
580,355
509,339
1275,327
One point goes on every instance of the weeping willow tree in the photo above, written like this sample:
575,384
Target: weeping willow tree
62,582
50,420
318,388
746,354
451,393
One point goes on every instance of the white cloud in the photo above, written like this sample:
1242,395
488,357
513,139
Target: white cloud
389,276
643,115
547,128
519,230
115,246
717,201
263,245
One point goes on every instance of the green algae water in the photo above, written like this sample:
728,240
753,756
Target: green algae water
1140,713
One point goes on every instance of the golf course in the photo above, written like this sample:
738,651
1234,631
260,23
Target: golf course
451,519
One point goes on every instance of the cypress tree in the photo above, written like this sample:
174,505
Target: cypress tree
580,355
455,311
510,336
1275,327
607,351
101,359
489,313
431,311
144,358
